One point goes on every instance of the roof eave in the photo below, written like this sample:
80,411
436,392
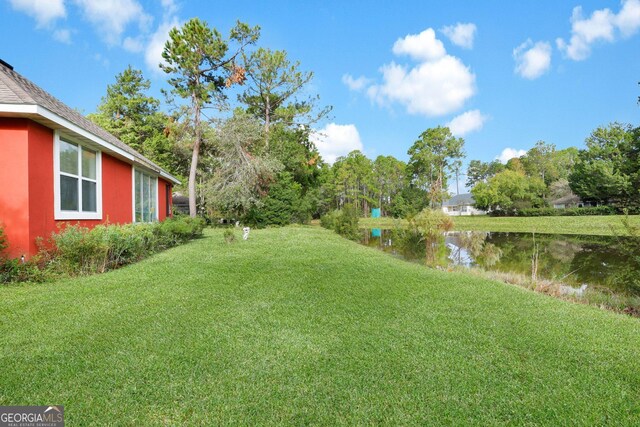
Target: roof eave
35,111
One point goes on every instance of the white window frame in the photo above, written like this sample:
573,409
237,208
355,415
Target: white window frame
133,194
60,214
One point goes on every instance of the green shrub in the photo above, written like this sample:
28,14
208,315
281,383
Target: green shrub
3,242
284,204
344,222
329,219
17,270
595,210
79,250
174,231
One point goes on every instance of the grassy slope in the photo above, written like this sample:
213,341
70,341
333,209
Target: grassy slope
593,225
299,326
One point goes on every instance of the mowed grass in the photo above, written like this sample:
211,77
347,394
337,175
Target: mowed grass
298,326
587,225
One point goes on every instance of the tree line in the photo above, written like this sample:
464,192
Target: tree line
605,173
252,158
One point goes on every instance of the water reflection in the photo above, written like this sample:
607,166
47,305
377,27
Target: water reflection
597,260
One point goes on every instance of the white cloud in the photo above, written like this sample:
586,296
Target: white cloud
62,35
43,11
461,34
335,140
509,153
355,84
133,44
156,41
467,122
101,59
153,51
628,19
439,84
433,88
111,17
421,47
532,60
169,7
601,26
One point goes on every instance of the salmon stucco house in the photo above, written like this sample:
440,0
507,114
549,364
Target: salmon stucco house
58,168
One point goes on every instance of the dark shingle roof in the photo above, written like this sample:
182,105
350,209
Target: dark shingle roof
568,199
460,199
16,89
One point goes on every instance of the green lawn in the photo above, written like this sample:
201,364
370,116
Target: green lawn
299,326
592,225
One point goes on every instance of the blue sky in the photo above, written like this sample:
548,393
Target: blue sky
503,74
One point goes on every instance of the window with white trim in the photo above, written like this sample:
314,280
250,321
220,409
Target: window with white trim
77,181
145,200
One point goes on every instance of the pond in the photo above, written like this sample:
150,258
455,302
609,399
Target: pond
599,261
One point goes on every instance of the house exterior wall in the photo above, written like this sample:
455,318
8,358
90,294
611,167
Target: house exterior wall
462,210
164,188
117,191
14,170
27,205
40,184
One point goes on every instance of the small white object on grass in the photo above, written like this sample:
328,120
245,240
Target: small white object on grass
245,233
568,290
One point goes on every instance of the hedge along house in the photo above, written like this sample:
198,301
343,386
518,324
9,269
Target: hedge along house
59,168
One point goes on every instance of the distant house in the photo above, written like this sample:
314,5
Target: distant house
59,168
568,201
461,205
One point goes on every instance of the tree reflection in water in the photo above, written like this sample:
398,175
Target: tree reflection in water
600,261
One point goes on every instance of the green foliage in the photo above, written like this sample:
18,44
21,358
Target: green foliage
134,117
3,241
353,181
509,191
538,162
595,210
16,270
274,86
343,221
430,225
284,204
409,202
479,171
328,220
242,176
197,59
299,157
431,222
515,164
389,180
79,250
432,159
629,245
177,230
608,170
